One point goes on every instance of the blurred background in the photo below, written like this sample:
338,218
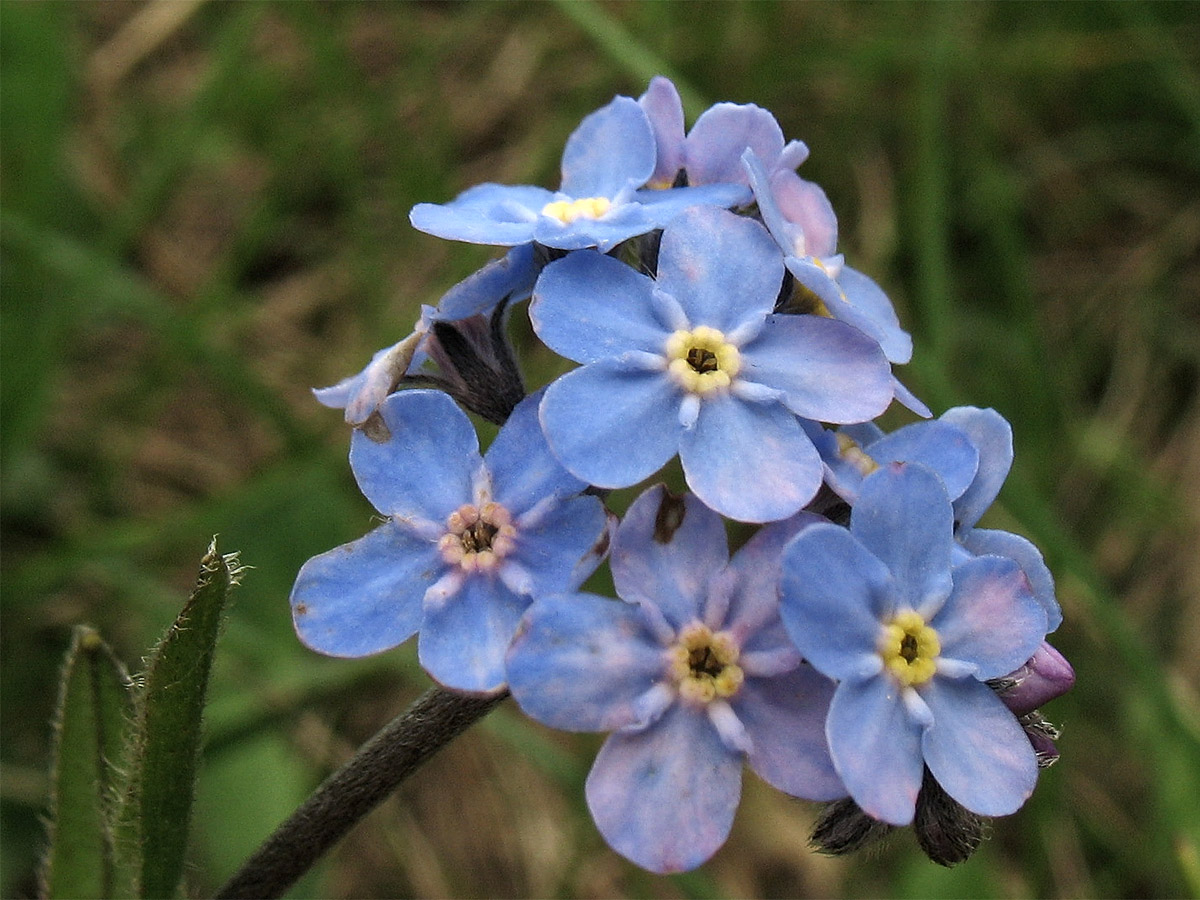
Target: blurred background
205,214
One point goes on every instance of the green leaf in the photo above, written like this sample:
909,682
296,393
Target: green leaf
93,714
168,736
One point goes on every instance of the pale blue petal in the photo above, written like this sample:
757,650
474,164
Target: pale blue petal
788,235
903,517
714,147
724,269
662,206
580,662
666,551
827,370
665,797
984,541
564,545
611,424
463,640
664,109
621,222
833,597
524,471
938,445
876,748
512,275
749,461
990,618
992,436
805,203
909,400
612,148
588,306
976,749
365,596
485,214
424,470
756,568
869,300
785,718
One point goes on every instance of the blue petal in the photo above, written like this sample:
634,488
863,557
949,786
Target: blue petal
992,436
984,541
564,545
785,718
976,749
485,214
666,551
990,618
788,235
580,662
662,206
588,306
513,276
938,445
665,797
749,461
612,148
664,110
622,221
715,145
724,269
870,302
833,596
524,471
463,640
365,596
827,370
424,469
876,748
612,424
903,517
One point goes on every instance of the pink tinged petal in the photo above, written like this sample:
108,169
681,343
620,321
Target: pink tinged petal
984,541
805,204
833,596
876,748
990,618
666,551
715,145
785,718
588,306
610,424
992,436
827,370
724,269
611,149
751,462
463,641
424,469
788,235
976,749
903,517
1045,676
581,662
365,596
665,797
664,109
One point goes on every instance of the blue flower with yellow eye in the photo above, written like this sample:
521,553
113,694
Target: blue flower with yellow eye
691,671
606,162
694,362
912,638
467,544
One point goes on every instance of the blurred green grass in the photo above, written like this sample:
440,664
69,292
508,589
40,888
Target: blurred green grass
204,214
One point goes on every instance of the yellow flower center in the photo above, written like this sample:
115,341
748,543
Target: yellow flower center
477,538
701,360
703,664
567,211
849,450
909,648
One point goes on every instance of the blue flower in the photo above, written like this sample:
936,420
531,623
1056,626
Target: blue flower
467,544
912,638
711,152
693,673
695,363
607,159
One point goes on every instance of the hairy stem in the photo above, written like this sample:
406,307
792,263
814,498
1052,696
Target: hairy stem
394,753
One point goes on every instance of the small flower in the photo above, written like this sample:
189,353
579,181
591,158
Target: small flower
912,641
692,672
695,363
606,160
468,542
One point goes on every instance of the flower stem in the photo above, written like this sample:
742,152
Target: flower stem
434,719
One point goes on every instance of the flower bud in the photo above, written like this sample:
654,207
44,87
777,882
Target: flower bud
1047,675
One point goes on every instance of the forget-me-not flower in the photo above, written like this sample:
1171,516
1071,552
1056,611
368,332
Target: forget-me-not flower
694,362
912,638
467,544
693,673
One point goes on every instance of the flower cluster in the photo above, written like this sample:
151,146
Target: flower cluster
868,647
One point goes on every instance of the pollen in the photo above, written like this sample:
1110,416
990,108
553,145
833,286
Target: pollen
851,452
701,360
909,648
704,664
477,538
567,211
